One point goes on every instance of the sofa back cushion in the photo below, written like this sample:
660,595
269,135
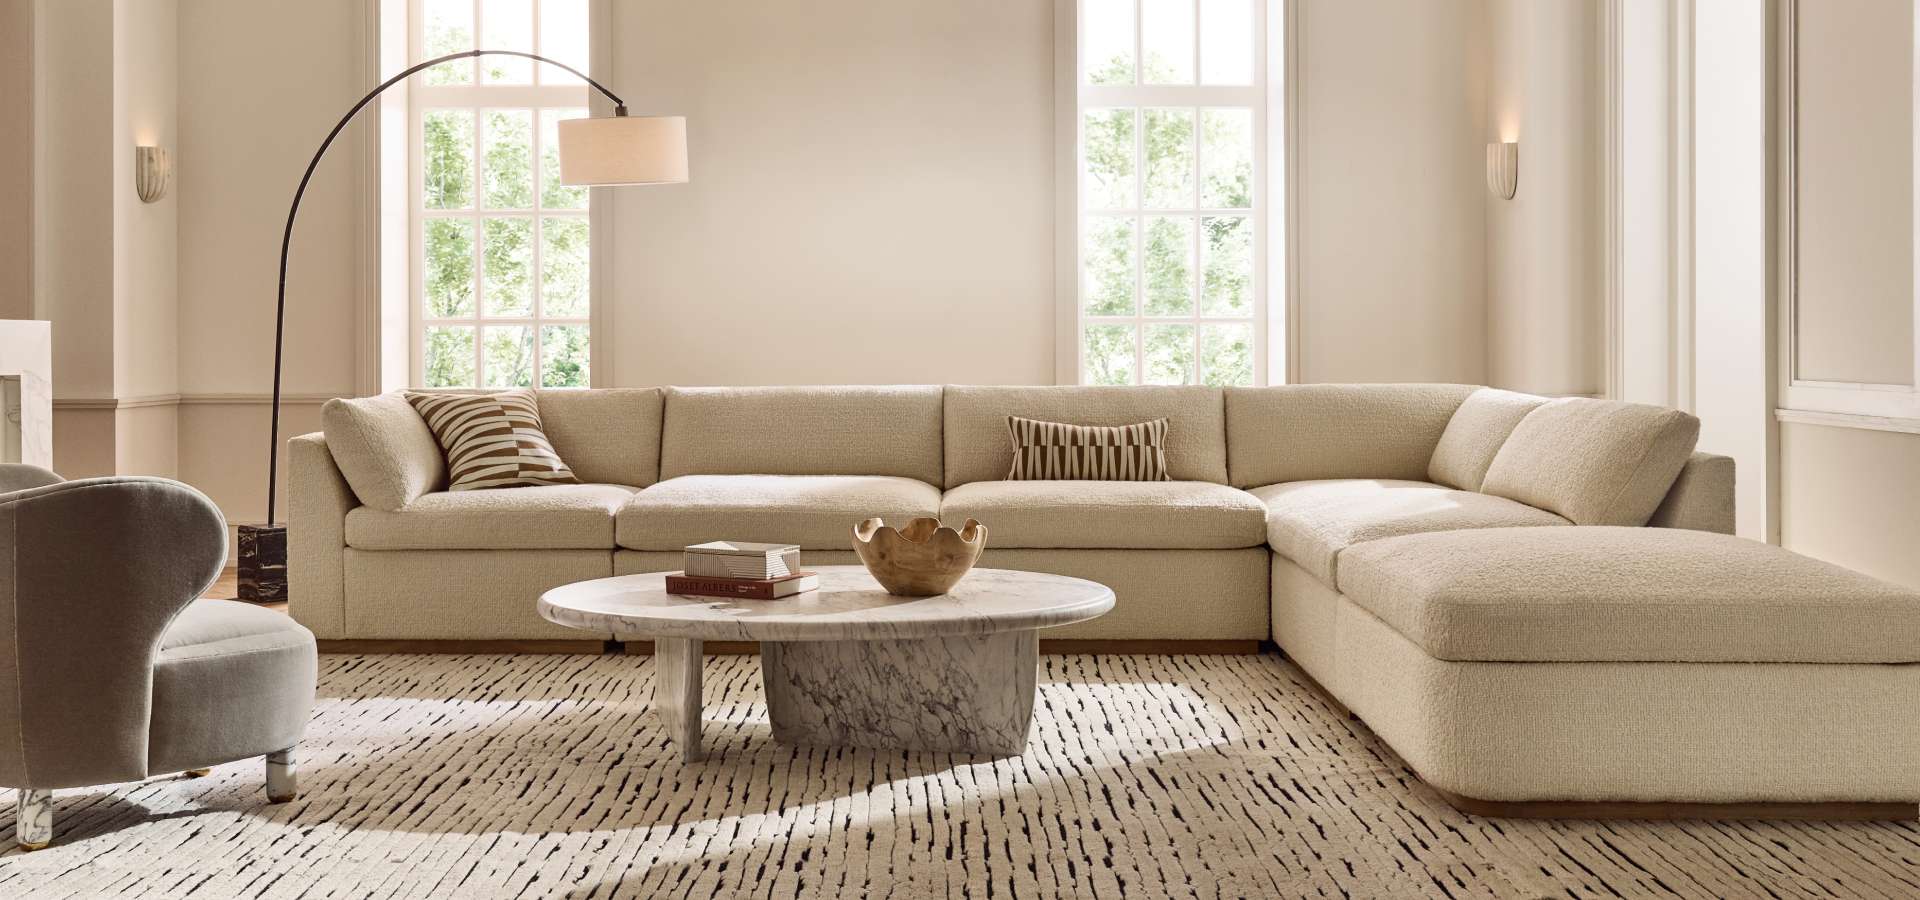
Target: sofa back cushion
383,448
606,436
1309,431
1474,435
1596,462
978,447
826,430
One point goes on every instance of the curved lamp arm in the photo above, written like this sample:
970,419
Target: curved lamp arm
286,239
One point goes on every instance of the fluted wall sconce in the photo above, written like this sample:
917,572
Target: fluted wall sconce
1503,169
152,169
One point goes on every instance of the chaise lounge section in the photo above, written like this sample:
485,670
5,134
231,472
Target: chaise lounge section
1493,581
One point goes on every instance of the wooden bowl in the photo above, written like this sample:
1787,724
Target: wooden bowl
921,560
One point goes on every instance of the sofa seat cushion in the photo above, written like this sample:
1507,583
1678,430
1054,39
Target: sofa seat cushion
1151,515
231,680
817,512
1314,522
1624,594
549,517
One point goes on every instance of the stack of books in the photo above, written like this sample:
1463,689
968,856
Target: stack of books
742,569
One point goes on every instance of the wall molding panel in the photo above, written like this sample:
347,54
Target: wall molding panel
213,399
1847,420
1853,404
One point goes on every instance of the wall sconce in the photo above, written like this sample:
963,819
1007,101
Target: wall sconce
152,169
1503,169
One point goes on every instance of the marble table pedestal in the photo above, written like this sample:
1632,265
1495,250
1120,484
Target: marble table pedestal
849,664
957,695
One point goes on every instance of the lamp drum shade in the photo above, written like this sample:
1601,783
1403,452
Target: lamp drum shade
623,150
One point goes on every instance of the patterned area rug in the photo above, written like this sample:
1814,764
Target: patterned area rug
543,776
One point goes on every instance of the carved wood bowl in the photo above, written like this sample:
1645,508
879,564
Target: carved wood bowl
923,559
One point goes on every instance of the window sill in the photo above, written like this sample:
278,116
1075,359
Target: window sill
1848,420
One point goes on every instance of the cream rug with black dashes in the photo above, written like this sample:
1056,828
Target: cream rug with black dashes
543,776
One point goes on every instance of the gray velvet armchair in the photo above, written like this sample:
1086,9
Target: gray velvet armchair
110,669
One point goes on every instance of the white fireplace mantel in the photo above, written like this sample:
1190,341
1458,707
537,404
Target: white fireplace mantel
26,355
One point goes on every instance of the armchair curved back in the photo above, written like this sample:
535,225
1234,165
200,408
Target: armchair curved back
20,476
91,574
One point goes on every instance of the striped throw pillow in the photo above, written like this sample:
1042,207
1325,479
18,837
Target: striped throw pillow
492,440
1057,452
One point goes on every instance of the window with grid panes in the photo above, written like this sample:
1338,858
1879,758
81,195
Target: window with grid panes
501,288
1171,146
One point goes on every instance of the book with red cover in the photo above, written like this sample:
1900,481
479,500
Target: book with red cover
769,589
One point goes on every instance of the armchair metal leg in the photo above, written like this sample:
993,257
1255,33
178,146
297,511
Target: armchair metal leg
283,781
33,826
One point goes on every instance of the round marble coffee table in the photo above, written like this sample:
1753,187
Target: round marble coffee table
850,664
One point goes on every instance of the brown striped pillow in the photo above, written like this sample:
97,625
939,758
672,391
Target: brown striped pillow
492,440
1056,452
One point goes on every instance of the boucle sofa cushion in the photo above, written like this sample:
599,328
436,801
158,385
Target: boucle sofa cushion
817,512
549,517
1301,432
607,436
977,448
833,430
1312,522
383,448
1152,515
1474,436
1597,462
1627,595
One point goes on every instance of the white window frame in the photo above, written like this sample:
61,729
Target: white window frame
1261,97
539,96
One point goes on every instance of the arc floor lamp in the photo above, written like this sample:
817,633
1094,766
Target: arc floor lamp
602,151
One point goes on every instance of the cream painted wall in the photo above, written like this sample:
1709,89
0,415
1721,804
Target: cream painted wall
939,266
260,83
244,143
223,447
146,331
871,195
84,443
105,260
74,241
16,160
1849,495
1391,256
1854,190
1546,318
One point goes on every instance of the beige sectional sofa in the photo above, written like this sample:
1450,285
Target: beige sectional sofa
1463,568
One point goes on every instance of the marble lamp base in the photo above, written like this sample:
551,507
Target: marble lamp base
263,563
955,695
